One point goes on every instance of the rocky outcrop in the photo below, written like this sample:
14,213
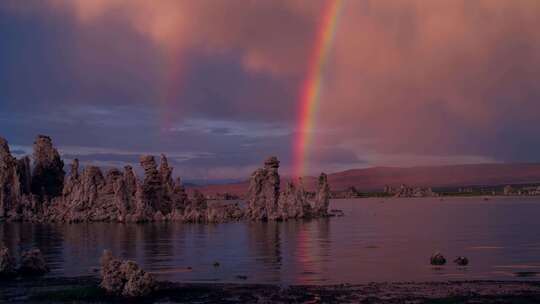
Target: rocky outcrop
7,264
293,202
152,188
437,259
266,202
24,171
322,197
10,187
461,261
124,278
46,194
196,208
48,174
263,193
33,263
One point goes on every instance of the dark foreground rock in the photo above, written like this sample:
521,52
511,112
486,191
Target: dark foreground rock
33,263
47,194
124,278
8,267
87,290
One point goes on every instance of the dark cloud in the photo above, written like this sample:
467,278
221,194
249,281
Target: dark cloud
216,85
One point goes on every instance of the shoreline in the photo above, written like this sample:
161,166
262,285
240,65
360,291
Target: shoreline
86,290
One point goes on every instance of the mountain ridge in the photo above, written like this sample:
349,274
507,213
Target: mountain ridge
376,178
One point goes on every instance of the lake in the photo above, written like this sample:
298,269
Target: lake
377,240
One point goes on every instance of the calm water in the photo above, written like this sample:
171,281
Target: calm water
377,240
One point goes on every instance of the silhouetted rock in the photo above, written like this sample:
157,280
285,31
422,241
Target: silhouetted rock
24,172
7,264
124,278
10,188
33,263
461,261
437,259
48,174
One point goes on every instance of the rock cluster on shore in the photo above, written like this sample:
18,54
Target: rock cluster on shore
42,191
124,278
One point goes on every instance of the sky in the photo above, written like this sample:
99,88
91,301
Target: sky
216,85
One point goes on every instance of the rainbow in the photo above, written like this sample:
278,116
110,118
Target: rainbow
310,93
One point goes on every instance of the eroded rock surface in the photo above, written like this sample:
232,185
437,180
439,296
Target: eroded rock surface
47,194
10,188
263,193
124,278
322,197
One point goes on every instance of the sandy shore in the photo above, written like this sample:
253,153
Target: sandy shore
86,290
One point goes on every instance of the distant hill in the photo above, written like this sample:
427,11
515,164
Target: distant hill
374,179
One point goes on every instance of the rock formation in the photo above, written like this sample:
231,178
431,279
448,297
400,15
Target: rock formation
266,202
322,198
48,174
7,264
47,194
33,263
152,189
293,202
263,193
10,187
437,259
25,175
461,261
124,278
196,208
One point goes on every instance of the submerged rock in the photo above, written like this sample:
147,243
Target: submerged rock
33,263
437,259
7,264
461,261
124,278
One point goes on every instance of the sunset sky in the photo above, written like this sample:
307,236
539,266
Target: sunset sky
219,85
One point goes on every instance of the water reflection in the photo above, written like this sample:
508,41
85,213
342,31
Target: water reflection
374,242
